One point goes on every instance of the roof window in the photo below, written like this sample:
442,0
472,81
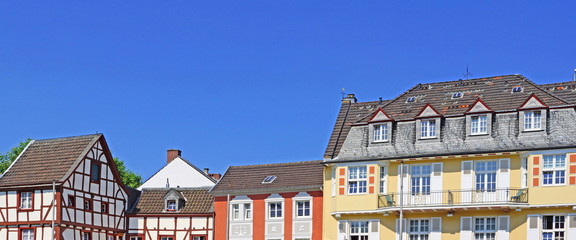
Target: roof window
411,99
457,95
517,89
269,179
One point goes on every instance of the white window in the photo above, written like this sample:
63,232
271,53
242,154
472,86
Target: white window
358,230
235,211
383,174
485,175
86,236
553,228
241,211
357,180
26,200
380,133
428,128
171,205
27,234
554,170
275,210
247,211
303,208
419,229
485,228
532,120
420,179
479,124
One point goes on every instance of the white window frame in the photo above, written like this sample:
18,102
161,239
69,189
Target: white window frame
421,177
26,200
485,172
555,168
171,205
479,125
297,208
358,175
427,129
383,179
485,231
244,214
554,226
358,230
381,132
418,235
531,121
28,234
272,206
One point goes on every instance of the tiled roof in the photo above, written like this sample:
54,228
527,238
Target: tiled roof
248,179
565,90
495,92
47,160
151,201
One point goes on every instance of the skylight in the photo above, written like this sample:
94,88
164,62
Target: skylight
457,95
411,99
269,179
516,89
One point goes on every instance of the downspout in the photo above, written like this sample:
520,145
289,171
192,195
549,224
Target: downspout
53,209
401,224
227,217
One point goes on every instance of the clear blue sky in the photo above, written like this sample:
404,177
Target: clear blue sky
249,82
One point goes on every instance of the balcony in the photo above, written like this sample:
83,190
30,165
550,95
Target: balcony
455,198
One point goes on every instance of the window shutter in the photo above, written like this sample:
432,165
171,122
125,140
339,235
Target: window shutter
503,231
436,228
503,178
436,184
467,181
533,227
571,220
374,232
535,171
466,228
405,181
342,230
342,179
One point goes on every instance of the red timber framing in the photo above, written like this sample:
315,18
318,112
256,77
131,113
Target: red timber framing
178,233
70,219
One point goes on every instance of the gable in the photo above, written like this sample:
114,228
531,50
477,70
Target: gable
379,116
478,107
178,173
533,102
428,111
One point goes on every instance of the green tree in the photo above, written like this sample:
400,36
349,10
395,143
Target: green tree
10,156
129,178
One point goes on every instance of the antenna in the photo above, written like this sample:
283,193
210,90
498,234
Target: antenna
574,76
468,74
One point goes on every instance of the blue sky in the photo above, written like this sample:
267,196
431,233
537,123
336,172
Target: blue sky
250,82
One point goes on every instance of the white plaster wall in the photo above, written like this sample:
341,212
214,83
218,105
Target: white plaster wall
178,173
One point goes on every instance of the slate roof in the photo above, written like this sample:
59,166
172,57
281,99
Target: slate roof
293,176
565,90
151,201
44,161
495,92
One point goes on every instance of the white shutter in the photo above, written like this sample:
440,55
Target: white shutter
533,227
467,181
406,181
571,222
374,231
436,183
465,228
503,230
436,228
503,179
398,229
342,230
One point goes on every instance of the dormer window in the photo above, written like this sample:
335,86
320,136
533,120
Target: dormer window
428,128
479,124
532,120
171,205
380,133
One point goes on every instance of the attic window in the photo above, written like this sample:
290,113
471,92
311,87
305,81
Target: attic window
516,89
411,99
457,95
171,205
269,179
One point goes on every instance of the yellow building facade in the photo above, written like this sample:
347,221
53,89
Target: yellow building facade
479,159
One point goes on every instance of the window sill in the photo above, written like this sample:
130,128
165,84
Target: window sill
427,138
479,134
532,130
380,141
25,209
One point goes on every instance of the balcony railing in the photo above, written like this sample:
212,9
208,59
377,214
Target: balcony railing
454,197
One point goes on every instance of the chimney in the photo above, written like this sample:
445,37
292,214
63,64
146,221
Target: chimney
350,98
206,170
171,154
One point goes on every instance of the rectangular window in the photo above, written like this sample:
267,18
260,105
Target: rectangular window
381,133
532,120
485,228
303,208
554,170
486,175
419,229
420,179
26,200
383,174
27,234
71,201
357,180
166,237
275,210
95,172
428,128
235,211
135,238
358,230
86,236
247,211
553,228
198,237
171,205
479,124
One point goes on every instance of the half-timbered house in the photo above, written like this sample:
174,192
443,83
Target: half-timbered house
63,188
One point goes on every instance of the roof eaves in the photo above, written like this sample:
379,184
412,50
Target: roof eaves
17,158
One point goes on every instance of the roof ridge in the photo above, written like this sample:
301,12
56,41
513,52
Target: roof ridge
70,137
557,83
544,90
276,164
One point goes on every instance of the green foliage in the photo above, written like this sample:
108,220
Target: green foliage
128,177
10,156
